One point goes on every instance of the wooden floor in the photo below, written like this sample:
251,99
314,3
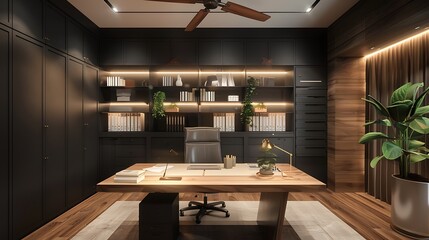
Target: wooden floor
368,216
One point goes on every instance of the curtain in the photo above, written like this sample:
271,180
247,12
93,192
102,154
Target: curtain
386,71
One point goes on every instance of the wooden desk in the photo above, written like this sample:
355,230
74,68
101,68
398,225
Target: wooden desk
274,190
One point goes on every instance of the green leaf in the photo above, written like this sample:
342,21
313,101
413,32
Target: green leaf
420,125
413,144
422,110
391,151
412,91
380,108
418,102
400,94
371,136
375,160
417,157
400,110
385,122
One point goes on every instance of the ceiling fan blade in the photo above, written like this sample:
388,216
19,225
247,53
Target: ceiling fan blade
176,1
244,11
197,19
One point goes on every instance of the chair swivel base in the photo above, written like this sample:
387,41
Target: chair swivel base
204,208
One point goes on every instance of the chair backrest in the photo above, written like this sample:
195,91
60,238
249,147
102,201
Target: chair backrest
202,145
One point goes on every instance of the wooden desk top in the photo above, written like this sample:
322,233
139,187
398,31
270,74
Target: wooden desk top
294,181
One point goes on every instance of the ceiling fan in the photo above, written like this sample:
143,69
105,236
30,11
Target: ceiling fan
227,7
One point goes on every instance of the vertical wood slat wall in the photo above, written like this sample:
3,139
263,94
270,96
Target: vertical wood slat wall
346,115
386,71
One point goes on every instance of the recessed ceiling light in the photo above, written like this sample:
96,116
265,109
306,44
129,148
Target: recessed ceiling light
417,27
372,48
115,9
308,9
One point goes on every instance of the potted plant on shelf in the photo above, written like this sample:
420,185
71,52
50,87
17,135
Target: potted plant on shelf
405,145
158,111
247,110
267,162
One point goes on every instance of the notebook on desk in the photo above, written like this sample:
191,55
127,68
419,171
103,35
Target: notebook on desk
204,167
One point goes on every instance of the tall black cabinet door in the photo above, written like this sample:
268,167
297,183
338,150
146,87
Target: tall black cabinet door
27,131
5,9
74,132
90,130
28,17
4,130
55,28
74,40
55,134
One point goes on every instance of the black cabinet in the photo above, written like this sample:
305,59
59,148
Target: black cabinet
120,153
310,76
74,132
135,52
282,52
81,43
5,44
28,17
257,52
55,134
210,52
5,9
233,52
90,127
167,149
74,39
27,173
160,52
111,52
309,52
90,48
183,52
55,28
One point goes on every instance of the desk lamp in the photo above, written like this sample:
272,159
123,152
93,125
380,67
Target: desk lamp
267,145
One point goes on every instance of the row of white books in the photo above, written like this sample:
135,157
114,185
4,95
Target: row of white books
125,122
167,81
207,96
115,81
224,121
129,176
185,96
272,122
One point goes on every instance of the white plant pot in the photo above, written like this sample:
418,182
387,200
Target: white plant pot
410,207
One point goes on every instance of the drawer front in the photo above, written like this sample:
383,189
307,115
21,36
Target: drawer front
310,151
311,91
311,99
310,142
311,116
311,124
310,76
304,133
131,141
310,107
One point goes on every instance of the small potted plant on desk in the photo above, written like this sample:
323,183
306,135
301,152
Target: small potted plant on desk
267,162
404,143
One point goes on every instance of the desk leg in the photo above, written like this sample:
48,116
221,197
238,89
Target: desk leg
271,212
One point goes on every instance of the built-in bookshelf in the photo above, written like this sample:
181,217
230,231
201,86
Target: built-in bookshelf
203,96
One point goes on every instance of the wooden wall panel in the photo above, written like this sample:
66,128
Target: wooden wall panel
346,116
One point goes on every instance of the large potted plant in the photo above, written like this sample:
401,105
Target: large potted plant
405,145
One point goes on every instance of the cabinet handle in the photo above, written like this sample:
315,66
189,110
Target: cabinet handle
46,125
86,124
46,158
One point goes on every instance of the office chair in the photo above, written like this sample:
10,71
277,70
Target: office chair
202,145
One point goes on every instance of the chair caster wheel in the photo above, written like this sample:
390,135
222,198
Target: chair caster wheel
181,214
198,221
189,205
223,205
227,214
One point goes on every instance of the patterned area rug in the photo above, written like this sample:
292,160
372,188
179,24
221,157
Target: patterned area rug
304,220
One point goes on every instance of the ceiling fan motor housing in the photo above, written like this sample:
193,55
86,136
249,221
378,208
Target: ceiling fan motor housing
211,4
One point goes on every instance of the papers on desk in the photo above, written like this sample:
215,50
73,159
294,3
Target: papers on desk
157,170
129,176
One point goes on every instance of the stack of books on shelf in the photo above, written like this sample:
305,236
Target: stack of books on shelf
125,122
271,122
224,121
207,96
175,123
167,81
129,176
115,81
123,95
185,96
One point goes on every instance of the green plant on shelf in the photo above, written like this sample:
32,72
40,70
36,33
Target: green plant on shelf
248,110
158,110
